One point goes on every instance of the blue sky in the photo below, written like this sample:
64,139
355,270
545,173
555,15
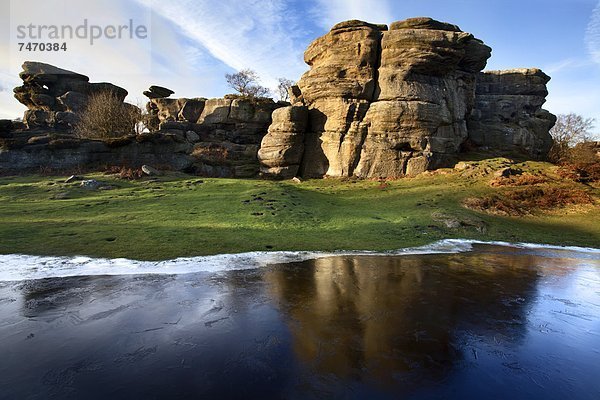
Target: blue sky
195,42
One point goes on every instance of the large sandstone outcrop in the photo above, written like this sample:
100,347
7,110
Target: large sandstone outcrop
395,102
55,96
508,113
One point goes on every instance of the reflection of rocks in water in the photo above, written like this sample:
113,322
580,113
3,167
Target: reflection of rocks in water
394,319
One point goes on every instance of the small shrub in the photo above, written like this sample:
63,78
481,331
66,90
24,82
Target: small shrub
107,117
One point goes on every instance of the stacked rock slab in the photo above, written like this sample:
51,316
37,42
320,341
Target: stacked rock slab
54,96
281,149
225,132
385,103
338,90
508,113
425,94
231,130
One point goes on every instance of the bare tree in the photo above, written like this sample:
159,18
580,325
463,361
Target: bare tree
106,116
246,83
569,130
283,88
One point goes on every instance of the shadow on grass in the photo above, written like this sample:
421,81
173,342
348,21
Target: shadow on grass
155,241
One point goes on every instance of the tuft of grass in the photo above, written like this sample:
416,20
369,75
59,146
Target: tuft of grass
178,215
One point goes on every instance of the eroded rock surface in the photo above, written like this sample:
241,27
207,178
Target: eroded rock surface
225,132
281,149
386,103
508,115
55,96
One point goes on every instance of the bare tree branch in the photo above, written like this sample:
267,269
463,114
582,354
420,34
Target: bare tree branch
245,82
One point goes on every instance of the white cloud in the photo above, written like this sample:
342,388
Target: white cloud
253,34
592,37
330,12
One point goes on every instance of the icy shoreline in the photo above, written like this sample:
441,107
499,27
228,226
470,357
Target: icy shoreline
18,267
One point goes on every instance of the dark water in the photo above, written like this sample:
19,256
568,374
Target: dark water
495,323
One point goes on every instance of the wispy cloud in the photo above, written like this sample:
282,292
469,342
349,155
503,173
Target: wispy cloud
253,34
330,12
592,37
566,65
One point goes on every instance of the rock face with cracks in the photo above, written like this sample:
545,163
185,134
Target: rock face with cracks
390,102
225,132
508,114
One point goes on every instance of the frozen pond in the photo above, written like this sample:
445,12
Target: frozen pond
493,322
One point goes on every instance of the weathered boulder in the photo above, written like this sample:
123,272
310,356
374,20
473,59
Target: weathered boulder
338,89
226,132
49,92
73,101
508,115
281,149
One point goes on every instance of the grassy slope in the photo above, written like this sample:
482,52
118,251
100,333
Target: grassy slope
180,217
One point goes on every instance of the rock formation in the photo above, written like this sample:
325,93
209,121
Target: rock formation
225,132
386,103
35,151
282,148
508,115
377,102
55,96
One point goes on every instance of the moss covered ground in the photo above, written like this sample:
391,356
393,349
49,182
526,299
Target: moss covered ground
180,215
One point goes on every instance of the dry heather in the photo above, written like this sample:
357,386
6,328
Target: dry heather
525,179
526,201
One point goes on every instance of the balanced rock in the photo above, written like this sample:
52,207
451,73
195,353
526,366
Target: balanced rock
157,92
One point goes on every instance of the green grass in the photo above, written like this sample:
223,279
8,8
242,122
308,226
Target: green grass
179,216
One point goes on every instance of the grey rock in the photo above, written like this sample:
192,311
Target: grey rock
508,117
74,178
74,101
508,171
91,184
191,110
150,171
192,136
